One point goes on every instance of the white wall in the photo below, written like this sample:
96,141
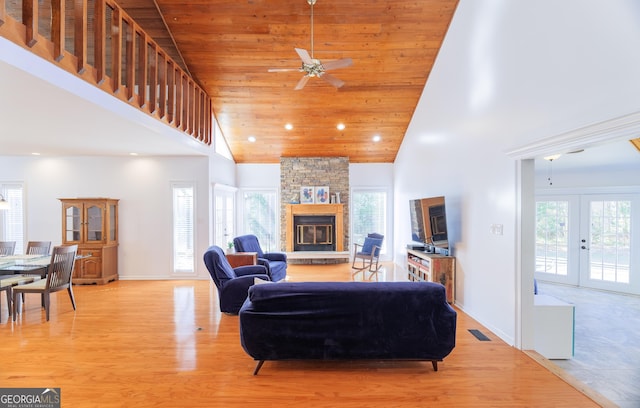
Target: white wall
143,186
258,176
509,74
591,177
477,195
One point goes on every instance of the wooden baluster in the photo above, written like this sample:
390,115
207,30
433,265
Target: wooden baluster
179,99
30,20
203,115
80,34
171,96
188,106
153,78
116,49
209,118
57,28
3,11
131,63
99,40
197,113
142,70
162,80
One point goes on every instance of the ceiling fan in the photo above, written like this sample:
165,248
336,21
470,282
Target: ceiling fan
313,67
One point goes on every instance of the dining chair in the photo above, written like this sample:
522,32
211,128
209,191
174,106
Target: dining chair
38,247
7,247
59,275
7,282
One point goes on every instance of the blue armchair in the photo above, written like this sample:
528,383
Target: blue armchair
233,284
276,262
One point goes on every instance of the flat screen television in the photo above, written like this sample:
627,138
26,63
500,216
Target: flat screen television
429,224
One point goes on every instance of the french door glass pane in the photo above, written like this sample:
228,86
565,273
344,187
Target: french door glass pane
369,215
183,230
260,218
552,223
13,220
610,241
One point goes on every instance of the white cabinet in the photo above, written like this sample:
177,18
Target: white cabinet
554,325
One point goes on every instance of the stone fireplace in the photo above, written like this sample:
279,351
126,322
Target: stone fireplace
332,172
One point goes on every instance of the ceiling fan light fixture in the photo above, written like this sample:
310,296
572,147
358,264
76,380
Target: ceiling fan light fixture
552,157
313,67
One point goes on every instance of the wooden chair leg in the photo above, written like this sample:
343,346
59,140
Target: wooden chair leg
73,301
16,303
8,301
47,303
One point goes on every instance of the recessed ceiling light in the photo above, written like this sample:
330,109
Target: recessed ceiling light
133,154
252,139
35,154
341,126
288,126
376,138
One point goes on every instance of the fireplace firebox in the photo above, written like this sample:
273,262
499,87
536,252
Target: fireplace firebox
322,232
314,233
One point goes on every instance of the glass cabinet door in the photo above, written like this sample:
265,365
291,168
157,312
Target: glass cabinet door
73,223
94,223
112,222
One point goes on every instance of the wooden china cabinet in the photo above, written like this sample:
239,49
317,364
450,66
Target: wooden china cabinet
92,224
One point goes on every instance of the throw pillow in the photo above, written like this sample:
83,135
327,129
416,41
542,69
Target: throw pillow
258,281
367,247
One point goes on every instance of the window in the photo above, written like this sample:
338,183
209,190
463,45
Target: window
369,214
610,241
13,223
183,228
552,236
260,217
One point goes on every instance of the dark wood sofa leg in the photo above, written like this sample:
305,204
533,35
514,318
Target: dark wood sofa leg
435,365
258,366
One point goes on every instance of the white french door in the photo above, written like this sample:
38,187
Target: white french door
607,259
557,219
224,200
588,240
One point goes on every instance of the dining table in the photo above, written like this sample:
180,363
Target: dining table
24,264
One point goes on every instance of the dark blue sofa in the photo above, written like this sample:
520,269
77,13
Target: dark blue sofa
347,320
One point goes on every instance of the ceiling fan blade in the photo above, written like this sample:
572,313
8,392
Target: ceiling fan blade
283,69
303,81
304,56
332,80
341,63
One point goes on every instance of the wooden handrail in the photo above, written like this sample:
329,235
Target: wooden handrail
130,65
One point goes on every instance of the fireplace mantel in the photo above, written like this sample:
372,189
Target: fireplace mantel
315,209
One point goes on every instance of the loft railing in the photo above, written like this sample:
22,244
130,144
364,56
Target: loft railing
99,42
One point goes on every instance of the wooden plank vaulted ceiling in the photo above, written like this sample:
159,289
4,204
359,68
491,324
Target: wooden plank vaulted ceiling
228,46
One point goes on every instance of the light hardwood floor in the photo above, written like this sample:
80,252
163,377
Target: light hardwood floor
165,344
